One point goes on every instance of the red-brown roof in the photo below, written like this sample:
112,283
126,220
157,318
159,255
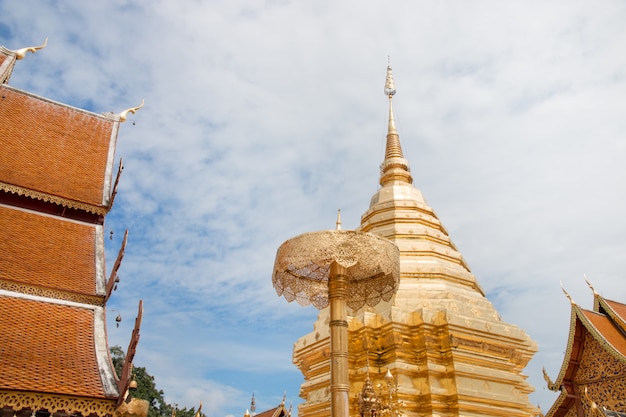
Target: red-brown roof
274,412
48,348
52,148
47,251
618,308
607,330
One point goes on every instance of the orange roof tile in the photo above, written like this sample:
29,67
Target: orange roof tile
267,413
48,348
47,251
53,148
618,308
608,330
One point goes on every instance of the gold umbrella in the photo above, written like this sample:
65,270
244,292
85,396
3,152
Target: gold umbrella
340,268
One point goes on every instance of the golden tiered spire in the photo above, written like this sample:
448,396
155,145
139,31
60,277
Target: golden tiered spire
394,167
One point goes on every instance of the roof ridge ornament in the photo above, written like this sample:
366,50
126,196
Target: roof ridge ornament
595,293
21,53
123,115
569,297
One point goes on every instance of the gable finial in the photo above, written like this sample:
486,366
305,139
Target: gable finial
21,53
123,115
569,297
595,293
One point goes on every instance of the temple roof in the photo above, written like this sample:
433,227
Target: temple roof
57,354
55,152
279,411
605,324
48,252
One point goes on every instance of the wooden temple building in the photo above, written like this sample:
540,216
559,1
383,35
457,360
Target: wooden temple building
56,187
592,379
446,348
280,410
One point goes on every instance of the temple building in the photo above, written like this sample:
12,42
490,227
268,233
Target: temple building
592,379
56,187
438,347
280,410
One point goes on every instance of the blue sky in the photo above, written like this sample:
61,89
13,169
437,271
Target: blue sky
262,118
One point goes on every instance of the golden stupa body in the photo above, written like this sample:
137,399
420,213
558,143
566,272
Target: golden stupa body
445,343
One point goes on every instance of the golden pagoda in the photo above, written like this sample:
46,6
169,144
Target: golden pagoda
56,187
439,338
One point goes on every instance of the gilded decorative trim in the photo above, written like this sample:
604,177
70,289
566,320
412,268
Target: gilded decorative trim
557,403
57,403
568,351
7,51
37,195
96,300
617,319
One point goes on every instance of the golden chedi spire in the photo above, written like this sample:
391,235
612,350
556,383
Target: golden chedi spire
394,167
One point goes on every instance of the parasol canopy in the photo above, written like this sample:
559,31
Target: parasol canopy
302,267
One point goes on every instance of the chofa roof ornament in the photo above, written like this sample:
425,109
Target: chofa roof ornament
21,53
123,115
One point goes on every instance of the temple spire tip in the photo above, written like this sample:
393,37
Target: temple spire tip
394,167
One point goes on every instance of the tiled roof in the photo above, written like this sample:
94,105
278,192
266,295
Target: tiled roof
48,348
618,308
267,413
47,251
52,148
607,330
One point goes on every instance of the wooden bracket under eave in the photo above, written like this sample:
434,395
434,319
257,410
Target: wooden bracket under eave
115,184
113,278
127,368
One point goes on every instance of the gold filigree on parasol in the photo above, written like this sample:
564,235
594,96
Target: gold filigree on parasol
302,267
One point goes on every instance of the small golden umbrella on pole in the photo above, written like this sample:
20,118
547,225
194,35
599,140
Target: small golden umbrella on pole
340,268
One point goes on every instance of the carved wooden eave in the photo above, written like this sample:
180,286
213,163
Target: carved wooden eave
52,403
113,278
49,198
127,368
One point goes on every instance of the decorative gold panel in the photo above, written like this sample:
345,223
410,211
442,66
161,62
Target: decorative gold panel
597,363
603,375
56,403
95,300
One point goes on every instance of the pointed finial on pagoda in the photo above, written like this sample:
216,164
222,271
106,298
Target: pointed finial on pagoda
253,404
394,167
123,115
390,91
338,222
284,398
21,53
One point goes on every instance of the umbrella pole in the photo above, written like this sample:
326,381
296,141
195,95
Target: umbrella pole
339,383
